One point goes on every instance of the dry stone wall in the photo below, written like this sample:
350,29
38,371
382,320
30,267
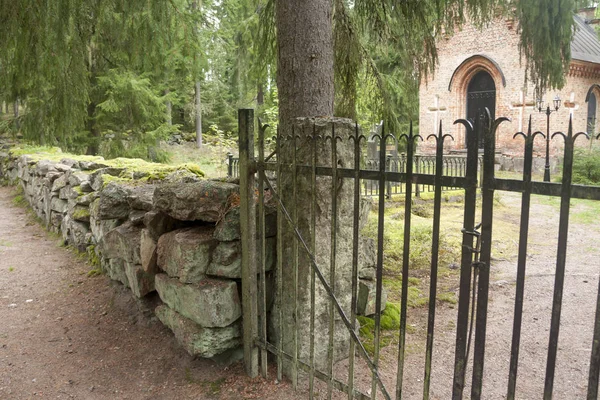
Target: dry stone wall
162,231
174,234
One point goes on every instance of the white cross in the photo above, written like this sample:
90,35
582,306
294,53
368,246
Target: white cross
436,109
521,106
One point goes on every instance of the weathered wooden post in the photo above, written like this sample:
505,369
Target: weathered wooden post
248,239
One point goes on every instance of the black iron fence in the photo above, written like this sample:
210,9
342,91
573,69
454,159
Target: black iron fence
317,194
453,165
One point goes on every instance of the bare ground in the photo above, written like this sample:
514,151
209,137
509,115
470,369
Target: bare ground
64,335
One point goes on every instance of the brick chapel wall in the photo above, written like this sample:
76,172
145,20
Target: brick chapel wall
499,42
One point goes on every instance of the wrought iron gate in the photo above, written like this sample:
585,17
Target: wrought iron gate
262,186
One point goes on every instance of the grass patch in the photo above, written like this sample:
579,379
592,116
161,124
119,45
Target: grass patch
11,269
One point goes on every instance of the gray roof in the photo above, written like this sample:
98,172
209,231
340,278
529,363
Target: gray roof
585,45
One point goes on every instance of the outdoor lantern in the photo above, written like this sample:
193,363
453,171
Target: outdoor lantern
540,103
556,102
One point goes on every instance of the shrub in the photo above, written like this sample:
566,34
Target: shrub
586,166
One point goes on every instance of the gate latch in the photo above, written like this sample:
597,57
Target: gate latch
477,249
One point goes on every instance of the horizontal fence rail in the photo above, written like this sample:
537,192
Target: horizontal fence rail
303,307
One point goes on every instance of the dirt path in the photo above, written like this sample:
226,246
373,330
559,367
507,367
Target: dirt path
64,335
579,302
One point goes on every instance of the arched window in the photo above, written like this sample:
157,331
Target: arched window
591,114
481,94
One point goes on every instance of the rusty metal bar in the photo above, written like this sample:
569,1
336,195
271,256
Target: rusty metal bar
521,261
379,270
561,256
313,227
592,393
435,245
466,261
410,148
333,249
487,218
262,285
248,240
295,257
355,244
279,271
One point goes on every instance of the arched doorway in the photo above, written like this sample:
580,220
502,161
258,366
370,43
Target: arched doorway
591,114
481,93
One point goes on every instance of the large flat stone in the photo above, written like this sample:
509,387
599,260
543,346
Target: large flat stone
158,223
123,242
186,253
196,340
113,202
365,303
115,269
228,228
204,200
210,302
141,197
148,253
226,259
140,282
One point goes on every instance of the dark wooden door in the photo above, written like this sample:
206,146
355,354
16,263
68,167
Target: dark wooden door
481,93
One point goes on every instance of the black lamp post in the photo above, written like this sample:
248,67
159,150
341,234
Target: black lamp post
548,111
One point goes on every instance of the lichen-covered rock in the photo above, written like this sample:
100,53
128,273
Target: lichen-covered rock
97,178
113,202
76,178
158,223
141,197
101,227
81,213
58,205
60,183
123,242
196,340
148,252
228,228
226,259
136,217
140,282
365,302
115,269
185,253
204,200
210,302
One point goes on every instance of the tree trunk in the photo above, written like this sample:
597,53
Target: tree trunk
260,95
169,107
198,100
198,113
305,81
16,112
305,59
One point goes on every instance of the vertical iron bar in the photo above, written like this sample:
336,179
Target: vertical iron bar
521,263
405,257
295,257
313,225
229,165
487,206
418,165
435,245
595,357
379,270
466,260
261,248
561,256
355,244
279,259
332,284
248,239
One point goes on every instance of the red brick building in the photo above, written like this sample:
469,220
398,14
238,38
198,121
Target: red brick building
479,68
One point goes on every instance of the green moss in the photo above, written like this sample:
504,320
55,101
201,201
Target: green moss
390,317
81,213
448,297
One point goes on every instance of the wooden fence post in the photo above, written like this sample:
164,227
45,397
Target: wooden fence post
248,239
